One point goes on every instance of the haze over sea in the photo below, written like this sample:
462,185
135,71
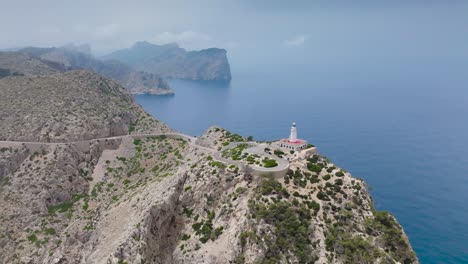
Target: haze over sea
400,124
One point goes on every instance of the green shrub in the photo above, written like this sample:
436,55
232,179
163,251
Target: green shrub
76,197
314,179
217,232
187,211
32,238
322,196
269,163
218,164
339,174
131,127
314,167
313,205
278,153
247,235
185,237
49,231
326,177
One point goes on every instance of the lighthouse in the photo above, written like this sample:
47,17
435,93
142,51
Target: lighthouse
293,143
293,135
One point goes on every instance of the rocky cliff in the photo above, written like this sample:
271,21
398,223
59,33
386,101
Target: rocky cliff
171,61
79,57
144,194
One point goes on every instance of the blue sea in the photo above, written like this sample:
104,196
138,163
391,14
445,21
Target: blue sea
400,124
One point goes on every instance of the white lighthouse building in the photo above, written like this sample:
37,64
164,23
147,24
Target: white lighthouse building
293,143
293,135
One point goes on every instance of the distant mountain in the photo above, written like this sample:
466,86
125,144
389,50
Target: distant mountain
79,57
171,61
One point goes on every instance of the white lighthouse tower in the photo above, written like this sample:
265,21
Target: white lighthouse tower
293,143
293,135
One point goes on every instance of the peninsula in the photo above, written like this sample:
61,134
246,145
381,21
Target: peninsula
88,176
171,61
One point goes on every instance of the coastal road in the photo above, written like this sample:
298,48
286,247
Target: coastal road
256,149
190,138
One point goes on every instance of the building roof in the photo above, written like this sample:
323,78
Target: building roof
297,142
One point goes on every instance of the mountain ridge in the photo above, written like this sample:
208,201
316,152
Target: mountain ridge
171,61
79,57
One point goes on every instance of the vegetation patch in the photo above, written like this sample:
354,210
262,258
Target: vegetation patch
291,226
269,163
61,208
390,235
204,229
289,220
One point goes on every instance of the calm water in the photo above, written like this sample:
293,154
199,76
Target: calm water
400,125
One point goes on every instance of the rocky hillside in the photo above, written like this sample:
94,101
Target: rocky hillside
75,105
79,57
171,61
19,64
117,186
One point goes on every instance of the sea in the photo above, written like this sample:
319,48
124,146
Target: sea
401,124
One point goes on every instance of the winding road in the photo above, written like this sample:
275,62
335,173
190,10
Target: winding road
282,164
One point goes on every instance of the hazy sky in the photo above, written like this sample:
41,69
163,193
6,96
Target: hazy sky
250,30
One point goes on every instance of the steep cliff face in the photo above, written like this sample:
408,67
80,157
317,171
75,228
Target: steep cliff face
78,57
171,61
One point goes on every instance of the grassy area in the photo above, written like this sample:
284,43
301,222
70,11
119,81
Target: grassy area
269,163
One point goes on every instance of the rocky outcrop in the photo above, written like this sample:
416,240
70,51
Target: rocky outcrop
79,57
171,61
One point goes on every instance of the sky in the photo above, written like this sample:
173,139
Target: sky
252,31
